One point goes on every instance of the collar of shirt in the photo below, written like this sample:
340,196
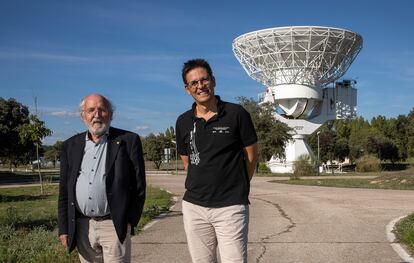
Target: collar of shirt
102,139
220,108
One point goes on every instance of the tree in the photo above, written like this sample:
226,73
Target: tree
153,147
389,151
170,136
382,125
382,147
392,137
341,149
52,154
360,130
170,133
342,129
327,142
410,134
400,135
272,134
12,116
34,132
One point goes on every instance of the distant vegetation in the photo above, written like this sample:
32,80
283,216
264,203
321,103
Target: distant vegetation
397,180
388,139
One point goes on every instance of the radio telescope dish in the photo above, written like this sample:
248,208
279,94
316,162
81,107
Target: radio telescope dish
297,59
306,55
296,64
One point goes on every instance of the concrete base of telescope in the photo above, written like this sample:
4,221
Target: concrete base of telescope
294,149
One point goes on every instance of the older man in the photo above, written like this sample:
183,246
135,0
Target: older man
102,186
217,143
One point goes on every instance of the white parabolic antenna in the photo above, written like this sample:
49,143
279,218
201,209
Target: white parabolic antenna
296,64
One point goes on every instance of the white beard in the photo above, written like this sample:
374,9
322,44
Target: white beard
98,131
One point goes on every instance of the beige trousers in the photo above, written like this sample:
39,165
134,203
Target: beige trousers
225,227
97,241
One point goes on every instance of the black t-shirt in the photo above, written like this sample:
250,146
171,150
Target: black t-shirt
217,174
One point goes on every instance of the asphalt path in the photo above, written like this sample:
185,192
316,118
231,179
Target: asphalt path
290,223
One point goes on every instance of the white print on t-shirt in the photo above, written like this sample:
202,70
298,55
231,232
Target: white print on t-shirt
194,155
223,130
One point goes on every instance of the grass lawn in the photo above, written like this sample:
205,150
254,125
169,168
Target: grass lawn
28,223
404,231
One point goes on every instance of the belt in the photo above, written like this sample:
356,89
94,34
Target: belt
96,218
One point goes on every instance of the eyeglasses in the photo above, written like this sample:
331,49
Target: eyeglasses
194,84
91,111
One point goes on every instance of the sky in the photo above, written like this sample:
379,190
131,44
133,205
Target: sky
57,52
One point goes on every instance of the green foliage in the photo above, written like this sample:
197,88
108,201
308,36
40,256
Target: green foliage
341,149
327,144
157,202
397,181
12,116
52,154
400,135
410,134
272,134
34,131
262,168
12,218
170,133
153,147
303,167
388,139
19,132
405,231
368,163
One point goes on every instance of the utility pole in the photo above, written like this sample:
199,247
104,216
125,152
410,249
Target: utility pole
37,153
176,157
319,132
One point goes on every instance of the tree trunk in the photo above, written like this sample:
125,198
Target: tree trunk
38,169
157,164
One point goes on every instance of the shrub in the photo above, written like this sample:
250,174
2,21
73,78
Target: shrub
303,167
263,168
368,163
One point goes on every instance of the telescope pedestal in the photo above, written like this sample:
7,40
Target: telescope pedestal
295,148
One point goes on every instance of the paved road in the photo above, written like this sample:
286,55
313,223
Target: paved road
292,224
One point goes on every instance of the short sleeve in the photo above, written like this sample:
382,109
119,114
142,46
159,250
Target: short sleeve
247,131
180,137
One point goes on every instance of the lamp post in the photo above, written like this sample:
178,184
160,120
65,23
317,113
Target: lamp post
319,132
176,157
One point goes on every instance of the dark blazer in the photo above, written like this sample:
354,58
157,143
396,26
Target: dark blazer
125,182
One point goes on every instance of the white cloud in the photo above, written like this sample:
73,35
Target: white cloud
64,114
141,128
116,57
22,54
60,112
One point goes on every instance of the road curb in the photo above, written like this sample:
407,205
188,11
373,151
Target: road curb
396,246
162,215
